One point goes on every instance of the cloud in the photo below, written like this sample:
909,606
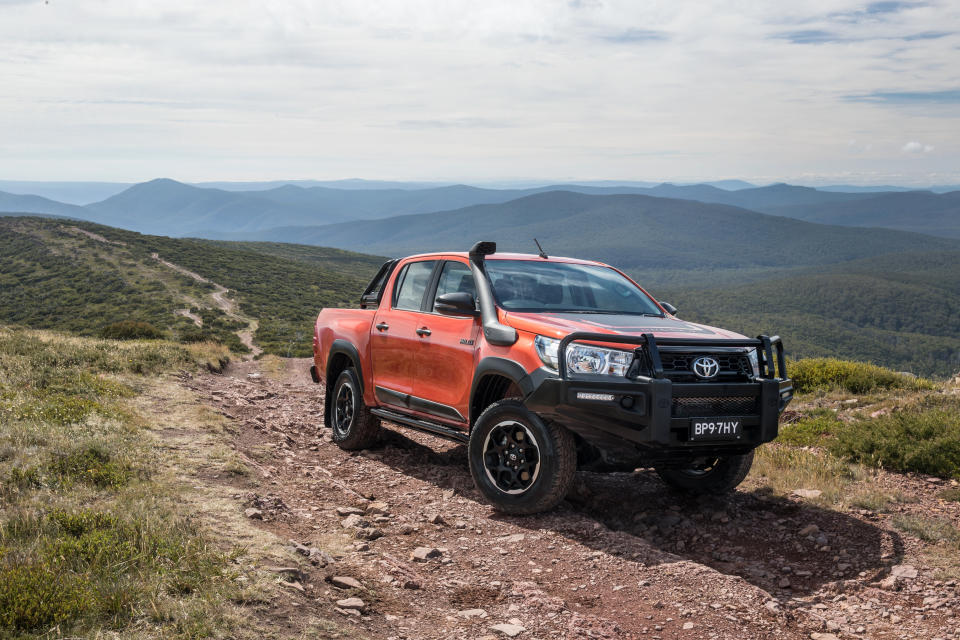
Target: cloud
917,147
461,90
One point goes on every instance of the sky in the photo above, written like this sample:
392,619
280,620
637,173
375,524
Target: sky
811,92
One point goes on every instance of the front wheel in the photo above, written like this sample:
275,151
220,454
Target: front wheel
713,475
520,464
354,427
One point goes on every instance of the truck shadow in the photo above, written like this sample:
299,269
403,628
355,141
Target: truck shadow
786,547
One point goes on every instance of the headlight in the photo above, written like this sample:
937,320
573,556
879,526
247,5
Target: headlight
754,362
582,358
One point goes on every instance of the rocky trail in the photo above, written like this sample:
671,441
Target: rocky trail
220,301
395,542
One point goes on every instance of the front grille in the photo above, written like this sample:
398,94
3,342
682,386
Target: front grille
678,366
696,407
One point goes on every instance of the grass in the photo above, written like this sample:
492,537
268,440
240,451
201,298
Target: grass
927,529
952,494
91,540
785,469
810,430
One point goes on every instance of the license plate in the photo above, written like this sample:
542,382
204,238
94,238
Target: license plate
716,429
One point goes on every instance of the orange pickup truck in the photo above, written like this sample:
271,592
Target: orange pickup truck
543,364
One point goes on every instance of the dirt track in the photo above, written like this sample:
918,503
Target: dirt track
624,558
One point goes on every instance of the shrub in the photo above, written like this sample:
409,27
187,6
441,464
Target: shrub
923,437
131,330
828,374
91,465
38,595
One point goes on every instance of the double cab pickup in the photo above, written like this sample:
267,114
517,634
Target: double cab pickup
541,365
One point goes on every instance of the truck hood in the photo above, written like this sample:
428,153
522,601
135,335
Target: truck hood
558,325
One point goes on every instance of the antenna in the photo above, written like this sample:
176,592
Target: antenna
542,252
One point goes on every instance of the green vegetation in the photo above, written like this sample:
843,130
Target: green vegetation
828,374
911,426
811,429
55,276
131,330
90,541
922,437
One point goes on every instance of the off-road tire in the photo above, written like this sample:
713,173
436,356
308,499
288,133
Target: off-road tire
507,426
722,477
352,425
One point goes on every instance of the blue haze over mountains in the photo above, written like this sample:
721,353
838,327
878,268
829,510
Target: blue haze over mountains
302,211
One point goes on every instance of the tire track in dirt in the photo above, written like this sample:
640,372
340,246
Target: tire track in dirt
222,302
623,558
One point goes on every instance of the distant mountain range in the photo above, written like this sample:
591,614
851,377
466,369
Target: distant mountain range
167,207
632,231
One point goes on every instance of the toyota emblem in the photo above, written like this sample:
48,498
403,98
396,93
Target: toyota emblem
706,367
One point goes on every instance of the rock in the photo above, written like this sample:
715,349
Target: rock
809,530
353,520
352,603
907,571
807,493
349,511
378,509
784,583
413,585
823,636
687,626
435,518
253,514
368,533
513,539
345,582
422,554
302,549
509,630
406,529
472,613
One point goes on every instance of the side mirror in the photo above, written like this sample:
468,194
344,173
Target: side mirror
672,310
458,303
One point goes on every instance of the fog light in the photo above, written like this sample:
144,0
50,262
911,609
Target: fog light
603,397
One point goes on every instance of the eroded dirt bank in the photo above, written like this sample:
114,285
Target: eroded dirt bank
396,542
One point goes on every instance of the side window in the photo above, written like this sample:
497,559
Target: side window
456,276
412,284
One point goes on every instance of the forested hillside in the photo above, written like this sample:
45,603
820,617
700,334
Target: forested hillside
54,275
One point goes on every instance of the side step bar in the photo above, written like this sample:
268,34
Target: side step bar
422,425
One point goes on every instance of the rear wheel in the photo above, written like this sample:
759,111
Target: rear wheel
713,475
520,464
354,427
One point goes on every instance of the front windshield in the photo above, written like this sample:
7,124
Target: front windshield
529,285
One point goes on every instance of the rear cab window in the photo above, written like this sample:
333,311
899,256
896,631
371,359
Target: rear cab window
412,284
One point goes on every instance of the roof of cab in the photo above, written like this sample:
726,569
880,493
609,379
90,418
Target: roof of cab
504,256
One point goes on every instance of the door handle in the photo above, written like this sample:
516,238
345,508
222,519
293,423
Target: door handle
382,326
423,331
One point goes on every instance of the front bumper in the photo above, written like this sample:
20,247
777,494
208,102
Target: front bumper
657,413
654,413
